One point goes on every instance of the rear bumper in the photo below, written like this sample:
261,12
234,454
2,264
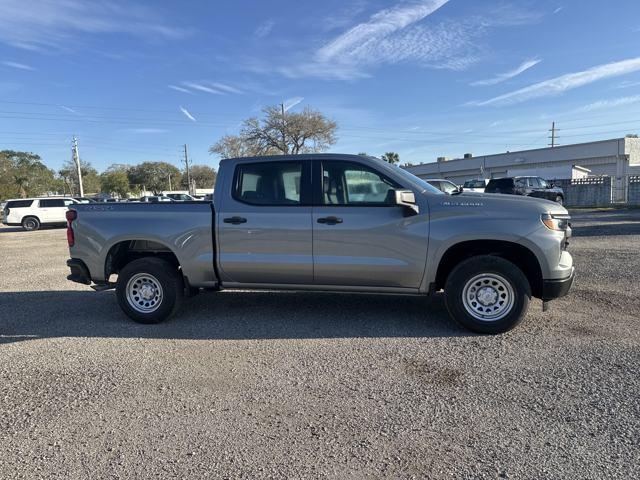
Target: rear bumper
557,288
79,271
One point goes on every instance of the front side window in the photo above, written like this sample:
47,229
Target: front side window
349,183
448,187
269,183
543,183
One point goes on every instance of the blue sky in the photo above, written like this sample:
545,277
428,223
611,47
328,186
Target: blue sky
135,80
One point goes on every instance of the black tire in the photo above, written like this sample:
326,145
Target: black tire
30,223
559,199
169,280
462,295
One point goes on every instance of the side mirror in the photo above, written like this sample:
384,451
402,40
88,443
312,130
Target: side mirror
460,189
407,198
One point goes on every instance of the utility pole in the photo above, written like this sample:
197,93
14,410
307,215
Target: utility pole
76,160
554,136
170,183
284,138
186,162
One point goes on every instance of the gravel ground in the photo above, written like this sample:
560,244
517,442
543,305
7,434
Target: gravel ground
263,385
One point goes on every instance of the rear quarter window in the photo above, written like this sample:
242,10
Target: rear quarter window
19,204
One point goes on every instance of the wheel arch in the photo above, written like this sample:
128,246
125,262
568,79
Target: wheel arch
521,256
125,251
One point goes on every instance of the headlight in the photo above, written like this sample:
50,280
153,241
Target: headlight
558,223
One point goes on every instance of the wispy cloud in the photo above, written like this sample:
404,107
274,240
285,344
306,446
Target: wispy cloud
628,83
501,77
70,110
611,103
187,114
264,29
215,88
202,88
225,88
179,89
379,26
563,83
289,103
47,24
19,66
558,10
402,34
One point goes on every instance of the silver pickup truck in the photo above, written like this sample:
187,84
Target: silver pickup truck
342,223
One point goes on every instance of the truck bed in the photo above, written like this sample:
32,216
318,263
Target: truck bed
184,228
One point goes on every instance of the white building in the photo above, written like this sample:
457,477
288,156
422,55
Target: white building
617,157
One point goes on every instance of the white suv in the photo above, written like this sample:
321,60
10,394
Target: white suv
33,212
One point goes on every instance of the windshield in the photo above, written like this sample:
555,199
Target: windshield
474,184
410,177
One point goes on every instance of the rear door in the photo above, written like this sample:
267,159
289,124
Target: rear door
360,236
264,226
53,210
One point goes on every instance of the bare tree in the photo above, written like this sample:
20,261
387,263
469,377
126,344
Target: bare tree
279,132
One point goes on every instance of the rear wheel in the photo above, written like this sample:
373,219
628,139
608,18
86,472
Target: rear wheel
487,294
149,290
30,223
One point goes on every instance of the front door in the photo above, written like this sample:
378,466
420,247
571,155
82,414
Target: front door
360,236
264,227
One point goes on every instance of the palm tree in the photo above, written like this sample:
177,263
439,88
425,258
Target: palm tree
391,157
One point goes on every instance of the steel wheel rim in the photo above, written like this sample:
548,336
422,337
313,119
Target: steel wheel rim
144,293
31,224
488,297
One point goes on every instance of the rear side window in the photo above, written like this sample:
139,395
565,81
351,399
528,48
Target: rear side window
57,202
269,183
499,184
19,204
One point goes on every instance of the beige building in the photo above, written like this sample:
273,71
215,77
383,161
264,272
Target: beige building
617,158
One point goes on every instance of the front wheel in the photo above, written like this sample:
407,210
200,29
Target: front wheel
30,223
149,290
487,294
559,199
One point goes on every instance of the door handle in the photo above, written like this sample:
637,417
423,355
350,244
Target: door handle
329,220
235,220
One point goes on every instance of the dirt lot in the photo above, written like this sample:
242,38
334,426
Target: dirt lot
252,385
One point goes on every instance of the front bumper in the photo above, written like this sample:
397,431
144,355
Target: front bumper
79,271
557,288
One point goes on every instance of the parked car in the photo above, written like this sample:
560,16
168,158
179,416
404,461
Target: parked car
443,185
84,200
362,225
180,197
31,213
155,199
528,186
476,185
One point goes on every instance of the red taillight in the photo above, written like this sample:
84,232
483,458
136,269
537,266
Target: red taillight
71,216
